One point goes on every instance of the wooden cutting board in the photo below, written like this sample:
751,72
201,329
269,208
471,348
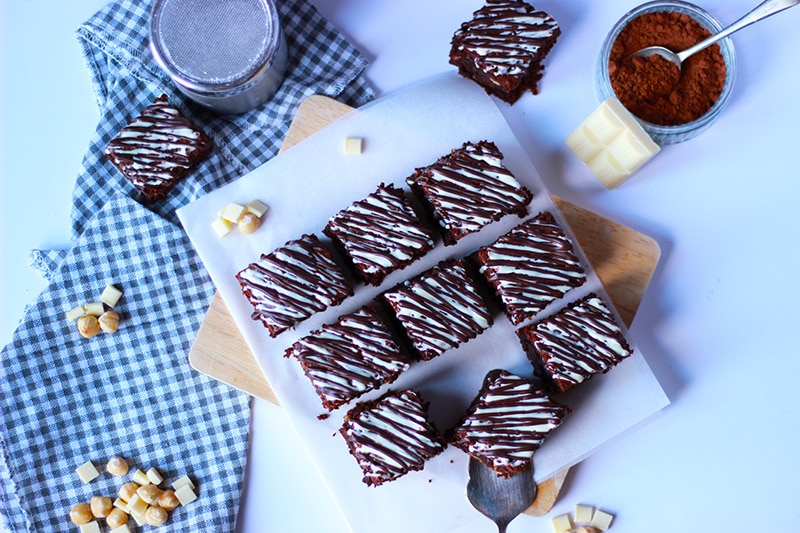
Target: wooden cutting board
623,259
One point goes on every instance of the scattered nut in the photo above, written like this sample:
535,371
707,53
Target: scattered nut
127,491
101,506
155,516
88,326
117,518
168,500
249,223
117,466
149,493
81,513
109,321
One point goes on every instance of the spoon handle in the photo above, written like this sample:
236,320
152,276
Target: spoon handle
762,11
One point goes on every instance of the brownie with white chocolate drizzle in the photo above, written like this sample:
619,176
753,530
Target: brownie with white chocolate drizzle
507,422
439,309
530,266
350,357
157,149
391,436
292,283
379,234
578,342
469,188
503,46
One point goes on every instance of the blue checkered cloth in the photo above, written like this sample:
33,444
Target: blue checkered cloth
64,399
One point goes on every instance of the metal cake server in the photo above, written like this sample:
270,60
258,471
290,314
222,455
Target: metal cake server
501,499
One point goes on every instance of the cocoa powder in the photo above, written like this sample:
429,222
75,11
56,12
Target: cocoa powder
653,89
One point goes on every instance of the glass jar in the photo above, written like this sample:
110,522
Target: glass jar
664,135
229,56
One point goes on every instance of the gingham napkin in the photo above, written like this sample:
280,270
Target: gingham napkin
64,399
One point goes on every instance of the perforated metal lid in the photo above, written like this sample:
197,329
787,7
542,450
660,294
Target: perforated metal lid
214,45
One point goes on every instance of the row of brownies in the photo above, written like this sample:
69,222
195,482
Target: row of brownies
529,267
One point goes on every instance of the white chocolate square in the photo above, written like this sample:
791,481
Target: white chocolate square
75,313
137,506
221,227
94,308
583,514
110,295
352,145
257,207
232,212
185,494
562,523
121,529
140,478
586,529
87,472
90,527
602,520
154,476
119,503
181,481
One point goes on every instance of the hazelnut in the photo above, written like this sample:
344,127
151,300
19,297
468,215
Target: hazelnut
168,500
88,326
116,518
80,514
155,516
117,466
127,491
248,223
149,493
101,506
109,321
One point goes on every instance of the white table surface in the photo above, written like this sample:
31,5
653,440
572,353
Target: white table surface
717,325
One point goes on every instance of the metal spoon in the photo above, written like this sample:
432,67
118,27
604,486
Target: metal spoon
501,499
762,11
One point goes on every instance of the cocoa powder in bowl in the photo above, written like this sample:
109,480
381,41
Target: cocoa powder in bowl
652,88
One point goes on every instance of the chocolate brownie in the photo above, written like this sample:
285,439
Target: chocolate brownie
531,266
391,436
379,234
292,283
350,357
570,347
469,188
158,149
506,423
503,46
439,309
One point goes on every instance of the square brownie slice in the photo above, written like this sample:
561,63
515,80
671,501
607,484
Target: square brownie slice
531,266
379,234
391,436
350,357
439,309
503,46
570,347
506,423
469,188
158,149
292,283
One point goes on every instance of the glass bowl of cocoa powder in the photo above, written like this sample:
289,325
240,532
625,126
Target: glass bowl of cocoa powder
672,106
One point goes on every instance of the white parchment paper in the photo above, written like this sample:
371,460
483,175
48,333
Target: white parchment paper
310,182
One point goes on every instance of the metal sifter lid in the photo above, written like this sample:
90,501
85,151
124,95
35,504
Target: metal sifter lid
213,46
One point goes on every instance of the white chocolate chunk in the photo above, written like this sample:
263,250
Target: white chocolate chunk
75,313
94,308
137,506
257,207
87,472
181,481
352,145
562,523
154,476
612,143
185,494
583,514
602,520
110,295
119,503
121,529
90,527
232,212
140,478
221,226
586,529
